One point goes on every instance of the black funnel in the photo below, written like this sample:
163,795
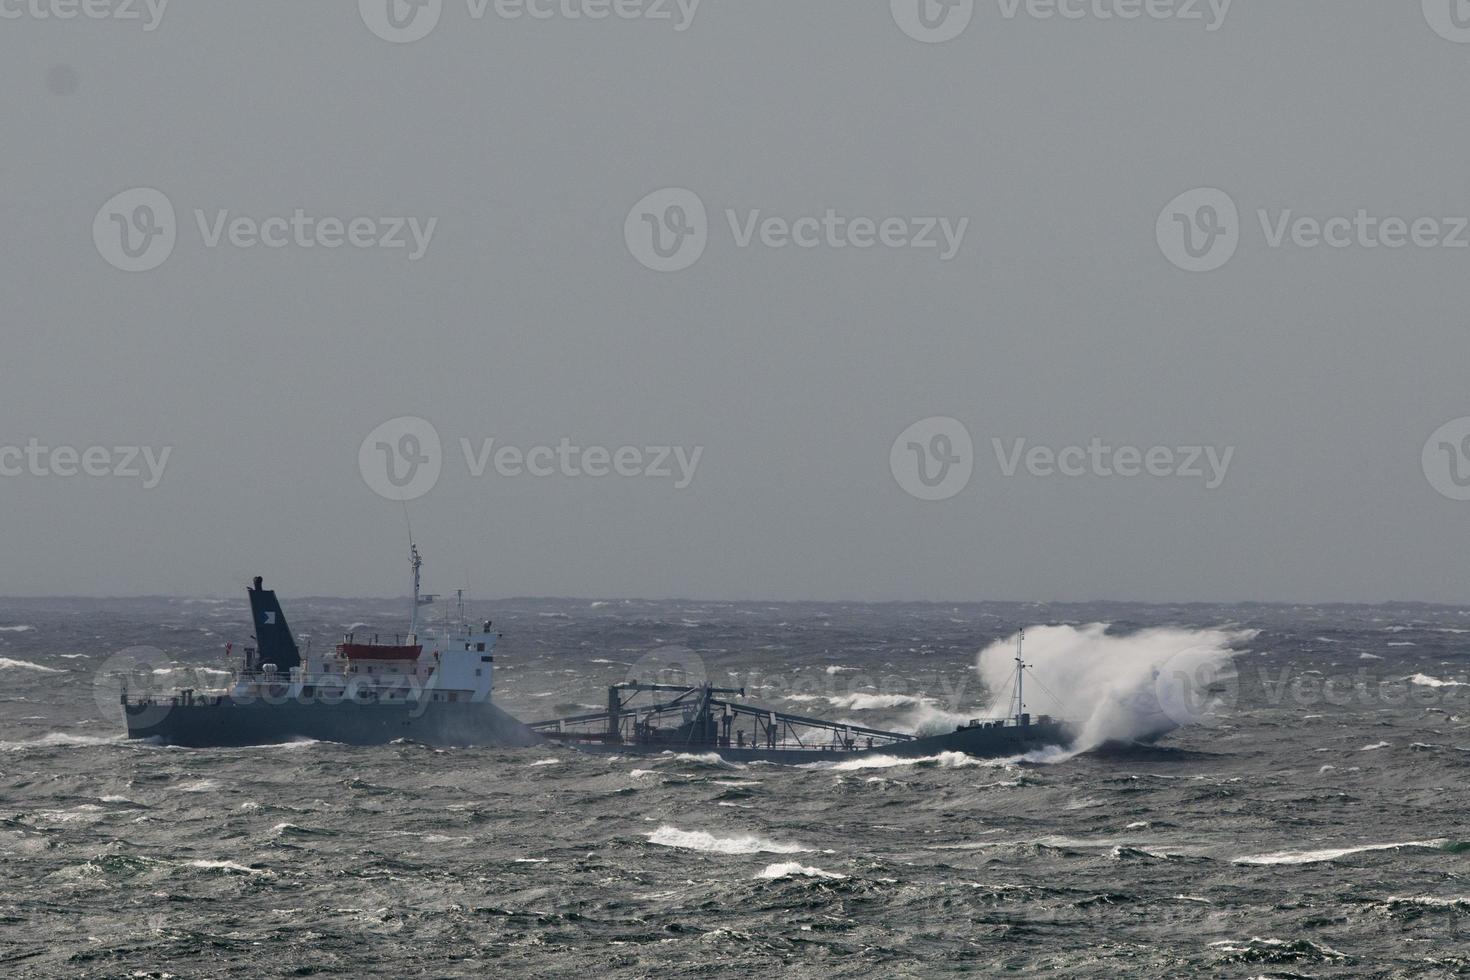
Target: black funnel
273,640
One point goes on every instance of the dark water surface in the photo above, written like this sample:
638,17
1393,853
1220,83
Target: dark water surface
1319,829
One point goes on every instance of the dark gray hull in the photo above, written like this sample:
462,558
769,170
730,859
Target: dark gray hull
981,743
224,723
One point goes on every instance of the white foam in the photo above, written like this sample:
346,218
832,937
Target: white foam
1330,854
545,762
1118,687
791,869
198,786
944,760
7,664
16,629
63,740
699,840
707,759
872,702
1434,903
1374,747
1424,680
230,866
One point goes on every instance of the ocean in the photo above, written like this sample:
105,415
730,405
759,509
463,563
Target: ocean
1307,817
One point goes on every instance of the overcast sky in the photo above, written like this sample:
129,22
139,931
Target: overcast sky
1040,157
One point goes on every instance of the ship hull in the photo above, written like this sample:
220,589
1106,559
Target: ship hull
981,743
225,722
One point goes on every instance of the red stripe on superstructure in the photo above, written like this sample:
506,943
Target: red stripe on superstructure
376,651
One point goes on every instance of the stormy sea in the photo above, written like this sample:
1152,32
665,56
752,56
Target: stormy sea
1300,808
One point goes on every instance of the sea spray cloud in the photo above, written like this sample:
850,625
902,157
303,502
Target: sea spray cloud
1117,687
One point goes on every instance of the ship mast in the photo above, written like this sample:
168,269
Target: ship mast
417,562
1020,677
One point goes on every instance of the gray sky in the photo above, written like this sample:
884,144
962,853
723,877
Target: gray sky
529,318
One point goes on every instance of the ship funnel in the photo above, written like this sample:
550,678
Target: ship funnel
272,636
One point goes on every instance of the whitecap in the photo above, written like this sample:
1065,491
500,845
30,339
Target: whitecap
872,702
699,840
791,869
7,664
1424,680
1330,854
944,760
63,740
231,867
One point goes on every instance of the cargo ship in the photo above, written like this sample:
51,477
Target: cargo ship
431,685
651,719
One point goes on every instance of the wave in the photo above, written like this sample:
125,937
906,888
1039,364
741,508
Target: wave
944,760
1118,687
228,867
712,759
7,664
1424,680
791,869
57,740
17,629
699,840
1333,854
872,702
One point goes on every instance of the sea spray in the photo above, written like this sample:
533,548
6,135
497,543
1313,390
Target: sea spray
1117,688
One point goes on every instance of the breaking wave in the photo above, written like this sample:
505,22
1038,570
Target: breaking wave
699,840
7,664
1333,854
1118,688
791,869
